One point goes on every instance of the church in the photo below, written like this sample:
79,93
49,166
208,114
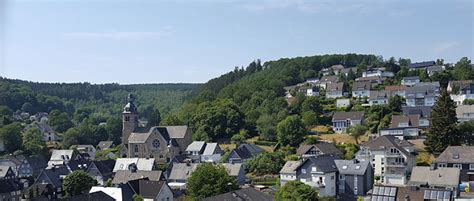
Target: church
159,142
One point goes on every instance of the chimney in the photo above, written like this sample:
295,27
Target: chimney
355,161
407,198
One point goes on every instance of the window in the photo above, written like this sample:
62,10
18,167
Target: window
136,148
127,118
471,166
303,180
332,177
459,166
156,143
313,169
303,171
442,165
342,177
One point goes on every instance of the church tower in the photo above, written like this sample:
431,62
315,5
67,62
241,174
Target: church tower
129,119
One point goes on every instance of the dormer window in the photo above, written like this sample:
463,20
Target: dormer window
127,118
456,156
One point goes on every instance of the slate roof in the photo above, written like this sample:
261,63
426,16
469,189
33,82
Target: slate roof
54,174
380,94
435,68
247,194
37,162
421,64
324,147
139,137
176,131
248,150
329,78
114,192
95,196
423,111
182,171
413,120
169,133
324,163
387,141
105,167
456,154
9,185
352,167
105,144
142,163
150,189
361,85
196,146
124,176
422,175
290,167
335,86
212,148
411,78
340,116
45,128
79,165
460,83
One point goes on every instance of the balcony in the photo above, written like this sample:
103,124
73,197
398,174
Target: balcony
395,164
391,155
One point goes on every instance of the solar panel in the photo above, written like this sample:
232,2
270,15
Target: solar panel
433,194
387,191
393,191
426,194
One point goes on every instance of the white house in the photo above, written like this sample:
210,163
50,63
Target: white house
201,151
465,112
335,90
391,158
361,89
309,90
377,72
422,94
325,80
379,97
461,90
403,126
410,81
343,120
399,90
344,102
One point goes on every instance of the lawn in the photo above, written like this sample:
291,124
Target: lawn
424,158
320,129
227,146
342,138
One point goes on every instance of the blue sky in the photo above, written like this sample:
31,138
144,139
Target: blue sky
134,41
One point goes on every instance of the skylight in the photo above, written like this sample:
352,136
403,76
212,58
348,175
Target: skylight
344,167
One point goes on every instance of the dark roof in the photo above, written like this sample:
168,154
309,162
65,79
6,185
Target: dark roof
352,167
456,154
9,185
95,196
329,78
79,165
413,120
338,116
324,163
37,162
421,64
411,78
248,150
387,141
361,85
338,86
55,173
147,189
423,111
324,147
124,176
247,194
105,167
380,94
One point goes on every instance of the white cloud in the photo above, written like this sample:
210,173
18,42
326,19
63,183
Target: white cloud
121,35
445,46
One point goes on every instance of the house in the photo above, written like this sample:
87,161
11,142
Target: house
320,148
410,81
152,190
160,142
392,159
104,145
101,170
180,173
344,102
243,153
379,97
309,90
440,178
377,72
423,111
399,90
408,193
237,171
63,156
336,69
465,113
405,126
41,117
318,172
134,163
99,196
374,80
205,152
335,90
361,89
241,194
422,94
87,151
48,132
114,192
6,172
434,69
25,166
343,120
312,80
54,176
10,189
420,65
346,71
124,176
460,157
327,79
355,177
461,90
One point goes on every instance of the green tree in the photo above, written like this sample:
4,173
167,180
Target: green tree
395,103
71,136
59,121
466,129
172,120
155,118
296,190
442,130
266,163
291,131
33,141
11,135
137,197
462,69
209,180
357,131
309,118
78,182
114,129
266,126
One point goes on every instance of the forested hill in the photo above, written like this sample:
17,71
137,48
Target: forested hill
86,98
252,98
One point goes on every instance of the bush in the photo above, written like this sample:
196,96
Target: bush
265,143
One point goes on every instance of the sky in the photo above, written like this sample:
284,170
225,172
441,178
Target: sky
145,41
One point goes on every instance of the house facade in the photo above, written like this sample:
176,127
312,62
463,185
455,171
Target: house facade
399,90
379,97
343,120
461,90
320,148
243,153
410,81
355,177
335,90
405,126
392,159
460,157
422,94
361,89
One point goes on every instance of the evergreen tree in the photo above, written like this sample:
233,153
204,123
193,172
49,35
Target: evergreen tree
442,131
